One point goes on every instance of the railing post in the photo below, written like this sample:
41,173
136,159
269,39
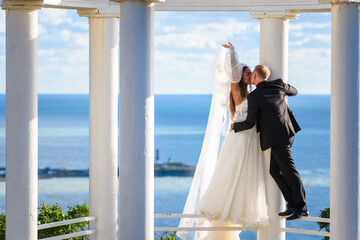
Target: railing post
274,54
103,123
21,119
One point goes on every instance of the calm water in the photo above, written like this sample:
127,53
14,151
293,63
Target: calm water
180,122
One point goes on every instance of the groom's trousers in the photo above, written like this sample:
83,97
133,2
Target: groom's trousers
283,170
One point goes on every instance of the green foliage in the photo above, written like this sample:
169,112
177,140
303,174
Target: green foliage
2,226
325,214
166,236
54,213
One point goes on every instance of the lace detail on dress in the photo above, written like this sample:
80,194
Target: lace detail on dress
240,112
233,67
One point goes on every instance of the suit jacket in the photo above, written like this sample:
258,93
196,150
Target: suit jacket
268,109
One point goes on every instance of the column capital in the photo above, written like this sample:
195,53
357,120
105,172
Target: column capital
22,4
99,13
283,15
338,1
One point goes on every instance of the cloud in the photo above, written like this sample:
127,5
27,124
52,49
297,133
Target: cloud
81,24
189,72
308,25
309,33
310,70
2,21
62,25
183,72
297,34
63,70
323,37
203,35
75,38
168,29
308,38
54,17
65,35
300,42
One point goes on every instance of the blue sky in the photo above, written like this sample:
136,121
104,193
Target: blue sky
186,44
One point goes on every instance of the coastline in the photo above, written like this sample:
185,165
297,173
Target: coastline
160,170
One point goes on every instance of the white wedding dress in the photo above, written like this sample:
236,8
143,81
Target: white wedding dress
236,193
228,186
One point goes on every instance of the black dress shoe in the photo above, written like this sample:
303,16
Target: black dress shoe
288,212
297,214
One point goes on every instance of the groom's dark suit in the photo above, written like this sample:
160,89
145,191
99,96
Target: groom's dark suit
277,126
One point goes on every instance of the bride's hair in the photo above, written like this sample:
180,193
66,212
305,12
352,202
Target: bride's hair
243,93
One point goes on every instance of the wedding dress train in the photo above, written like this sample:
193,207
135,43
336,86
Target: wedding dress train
236,193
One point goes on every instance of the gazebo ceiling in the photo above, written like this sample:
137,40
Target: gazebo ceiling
111,7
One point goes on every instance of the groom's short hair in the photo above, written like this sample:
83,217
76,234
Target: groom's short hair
263,71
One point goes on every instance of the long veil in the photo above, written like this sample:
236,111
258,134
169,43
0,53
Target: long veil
217,124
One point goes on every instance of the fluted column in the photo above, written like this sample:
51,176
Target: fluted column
274,54
21,119
344,127
136,163
103,125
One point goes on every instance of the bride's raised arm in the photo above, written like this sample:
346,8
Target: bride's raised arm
233,66
234,69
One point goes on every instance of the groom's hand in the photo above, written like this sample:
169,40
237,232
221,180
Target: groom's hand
231,128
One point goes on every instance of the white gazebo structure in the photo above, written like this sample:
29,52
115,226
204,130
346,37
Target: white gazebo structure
136,146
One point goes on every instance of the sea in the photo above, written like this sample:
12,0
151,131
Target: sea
180,123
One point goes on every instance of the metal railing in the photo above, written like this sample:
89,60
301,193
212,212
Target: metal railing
68,222
289,230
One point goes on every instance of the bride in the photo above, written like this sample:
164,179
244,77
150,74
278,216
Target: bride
228,188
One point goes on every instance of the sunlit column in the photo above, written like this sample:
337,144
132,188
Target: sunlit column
344,153
103,125
274,54
21,119
136,163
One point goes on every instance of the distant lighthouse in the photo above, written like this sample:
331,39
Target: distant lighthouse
157,157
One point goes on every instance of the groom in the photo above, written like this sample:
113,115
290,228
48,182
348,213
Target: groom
276,123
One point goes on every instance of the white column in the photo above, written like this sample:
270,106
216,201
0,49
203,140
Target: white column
274,54
136,163
21,120
103,117
344,153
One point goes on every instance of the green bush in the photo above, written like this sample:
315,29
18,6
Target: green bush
166,236
325,214
2,226
54,213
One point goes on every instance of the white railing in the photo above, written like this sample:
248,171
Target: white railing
290,230
173,229
68,222
309,232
